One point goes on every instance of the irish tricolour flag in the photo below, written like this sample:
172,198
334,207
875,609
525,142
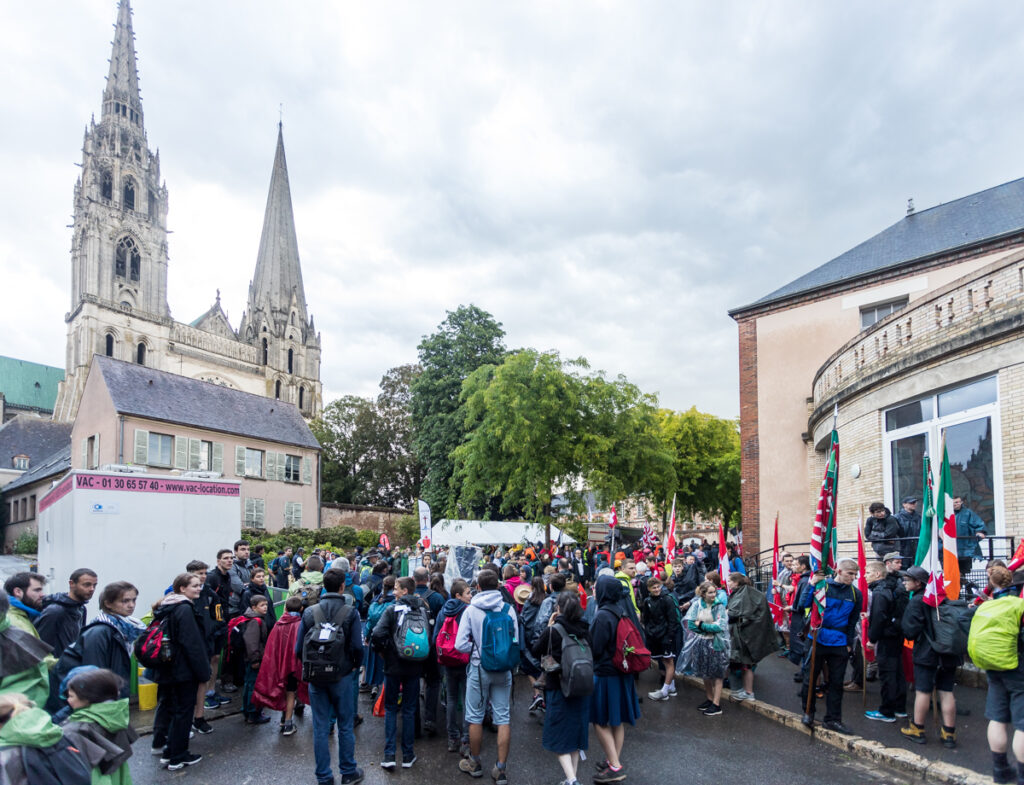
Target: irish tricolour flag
936,550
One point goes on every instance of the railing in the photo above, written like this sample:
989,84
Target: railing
759,566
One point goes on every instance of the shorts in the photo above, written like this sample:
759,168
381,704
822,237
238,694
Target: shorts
483,687
662,649
291,684
928,678
1005,700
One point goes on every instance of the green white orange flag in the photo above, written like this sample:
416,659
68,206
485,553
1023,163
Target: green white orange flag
945,517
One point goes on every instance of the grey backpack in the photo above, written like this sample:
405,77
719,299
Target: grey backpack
577,675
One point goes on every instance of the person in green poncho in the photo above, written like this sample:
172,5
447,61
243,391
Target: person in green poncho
33,751
99,725
23,659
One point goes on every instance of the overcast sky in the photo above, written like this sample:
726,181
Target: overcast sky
605,178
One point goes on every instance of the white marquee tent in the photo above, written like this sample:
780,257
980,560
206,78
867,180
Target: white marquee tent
452,532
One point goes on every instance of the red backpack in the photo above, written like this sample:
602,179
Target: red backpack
153,647
631,656
447,654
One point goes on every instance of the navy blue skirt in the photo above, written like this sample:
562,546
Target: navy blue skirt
566,723
614,700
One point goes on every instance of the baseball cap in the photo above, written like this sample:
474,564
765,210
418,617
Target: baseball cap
892,556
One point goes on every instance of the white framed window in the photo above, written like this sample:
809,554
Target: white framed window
253,462
21,462
255,513
161,450
869,314
292,468
968,417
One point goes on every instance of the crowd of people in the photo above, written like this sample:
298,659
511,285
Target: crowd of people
440,654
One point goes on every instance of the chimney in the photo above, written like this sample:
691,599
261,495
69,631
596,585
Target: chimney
910,206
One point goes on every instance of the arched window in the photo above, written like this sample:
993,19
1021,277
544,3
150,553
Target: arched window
128,202
293,318
291,356
107,185
109,349
127,258
277,389
140,354
302,397
265,351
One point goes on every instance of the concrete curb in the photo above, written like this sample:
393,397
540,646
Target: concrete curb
868,749
210,714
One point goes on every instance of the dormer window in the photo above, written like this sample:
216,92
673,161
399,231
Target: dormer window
21,463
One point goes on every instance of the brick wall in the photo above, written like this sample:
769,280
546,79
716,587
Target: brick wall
749,448
379,519
1011,397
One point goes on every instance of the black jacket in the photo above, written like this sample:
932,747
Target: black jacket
252,590
919,627
382,639
661,618
885,619
99,644
189,662
910,533
220,585
331,603
882,533
61,621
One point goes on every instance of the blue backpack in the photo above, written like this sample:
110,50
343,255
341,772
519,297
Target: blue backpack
376,611
499,650
412,638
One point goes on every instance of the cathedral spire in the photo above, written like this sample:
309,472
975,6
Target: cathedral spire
278,277
121,95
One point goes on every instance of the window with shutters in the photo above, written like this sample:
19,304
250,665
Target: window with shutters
292,468
91,452
200,455
255,513
21,462
161,450
293,514
253,463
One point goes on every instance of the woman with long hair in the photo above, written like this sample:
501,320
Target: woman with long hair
708,654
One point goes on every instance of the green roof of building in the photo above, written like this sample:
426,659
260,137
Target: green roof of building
29,385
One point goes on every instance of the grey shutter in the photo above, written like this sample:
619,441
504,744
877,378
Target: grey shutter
141,456
85,453
261,511
248,517
240,461
217,462
271,459
96,450
180,452
307,471
281,463
195,446
297,514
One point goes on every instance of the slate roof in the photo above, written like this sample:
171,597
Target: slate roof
983,216
57,463
29,385
32,436
157,395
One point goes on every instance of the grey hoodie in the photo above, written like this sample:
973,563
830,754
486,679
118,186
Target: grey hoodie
472,624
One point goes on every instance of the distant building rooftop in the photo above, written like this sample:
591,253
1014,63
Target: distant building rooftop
29,386
33,437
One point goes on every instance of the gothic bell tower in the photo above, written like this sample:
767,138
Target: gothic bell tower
119,242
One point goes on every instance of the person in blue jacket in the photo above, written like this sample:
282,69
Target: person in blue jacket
834,641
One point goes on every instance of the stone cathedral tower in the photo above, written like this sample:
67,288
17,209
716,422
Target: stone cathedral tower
119,263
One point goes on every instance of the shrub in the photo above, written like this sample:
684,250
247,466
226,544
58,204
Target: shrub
407,530
367,538
27,543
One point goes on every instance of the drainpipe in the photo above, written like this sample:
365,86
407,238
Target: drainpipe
120,441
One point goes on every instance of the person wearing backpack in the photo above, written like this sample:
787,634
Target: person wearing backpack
932,670
614,702
178,679
34,751
567,718
373,674
279,684
431,671
885,634
253,636
329,643
489,633
310,584
454,662
98,725
397,638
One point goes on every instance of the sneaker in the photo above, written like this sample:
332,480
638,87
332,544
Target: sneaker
288,729
353,778
672,690
159,742
258,719
610,775
229,688
357,720
536,703
464,750
188,759
300,709
211,703
712,711
223,700
743,695
388,762
202,726
851,686
472,767
499,775
658,695
901,715
407,764
877,715
453,745
837,727
704,705
914,733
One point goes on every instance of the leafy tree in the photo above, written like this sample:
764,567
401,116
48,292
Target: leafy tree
468,338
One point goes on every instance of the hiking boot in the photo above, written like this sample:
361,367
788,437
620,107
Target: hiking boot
188,759
202,726
948,738
1004,774
388,762
915,733
712,711
610,775
499,775
472,767
288,728
877,715
352,779
453,745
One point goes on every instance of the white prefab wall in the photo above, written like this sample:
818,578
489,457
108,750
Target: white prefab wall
141,528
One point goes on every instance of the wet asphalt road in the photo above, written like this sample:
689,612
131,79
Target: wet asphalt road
671,744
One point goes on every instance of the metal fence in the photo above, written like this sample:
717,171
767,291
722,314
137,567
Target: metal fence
759,566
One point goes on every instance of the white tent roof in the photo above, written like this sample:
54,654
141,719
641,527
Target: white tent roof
452,532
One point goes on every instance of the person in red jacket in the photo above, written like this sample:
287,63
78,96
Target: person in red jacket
279,683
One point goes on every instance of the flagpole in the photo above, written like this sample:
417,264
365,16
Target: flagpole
863,640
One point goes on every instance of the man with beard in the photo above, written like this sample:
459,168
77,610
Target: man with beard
63,615
25,591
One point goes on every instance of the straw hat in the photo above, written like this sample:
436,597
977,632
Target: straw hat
522,593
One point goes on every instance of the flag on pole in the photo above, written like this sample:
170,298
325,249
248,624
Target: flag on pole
818,602
774,600
924,541
862,585
945,520
648,538
823,535
670,543
1017,560
424,515
615,519
723,558
930,553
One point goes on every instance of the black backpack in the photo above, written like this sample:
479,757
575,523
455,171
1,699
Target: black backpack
323,646
60,764
577,677
951,626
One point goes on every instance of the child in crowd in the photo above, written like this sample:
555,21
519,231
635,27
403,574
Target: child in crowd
254,641
99,725
278,685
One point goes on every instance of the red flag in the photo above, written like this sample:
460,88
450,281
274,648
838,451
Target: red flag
774,600
862,584
615,519
723,558
670,544
1017,560
385,542
823,534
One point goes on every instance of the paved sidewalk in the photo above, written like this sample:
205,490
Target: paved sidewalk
774,685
